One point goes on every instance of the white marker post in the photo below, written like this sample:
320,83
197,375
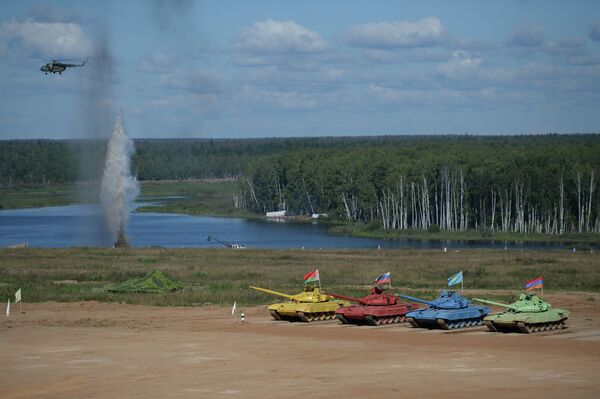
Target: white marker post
233,310
18,299
8,308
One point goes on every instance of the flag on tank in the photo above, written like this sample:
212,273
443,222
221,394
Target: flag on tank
456,279
533,284
311,277
384,278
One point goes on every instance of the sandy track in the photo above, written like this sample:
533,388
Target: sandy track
110,350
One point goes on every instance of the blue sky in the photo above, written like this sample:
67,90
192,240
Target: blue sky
182,68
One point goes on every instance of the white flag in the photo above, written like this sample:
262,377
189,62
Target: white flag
18,296
8,307
233,308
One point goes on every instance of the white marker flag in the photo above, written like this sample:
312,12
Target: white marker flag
233,308
18,296
8,307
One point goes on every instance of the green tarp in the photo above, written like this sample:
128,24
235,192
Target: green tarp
154,281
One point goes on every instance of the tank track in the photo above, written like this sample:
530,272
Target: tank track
342,319
412,322
539,327
317,316
528,328
378,321
464,323
275,315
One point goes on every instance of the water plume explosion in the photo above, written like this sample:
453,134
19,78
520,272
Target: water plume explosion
118,189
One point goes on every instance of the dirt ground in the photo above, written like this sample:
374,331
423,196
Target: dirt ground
90,350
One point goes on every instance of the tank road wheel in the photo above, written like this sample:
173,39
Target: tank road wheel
304,318
526,328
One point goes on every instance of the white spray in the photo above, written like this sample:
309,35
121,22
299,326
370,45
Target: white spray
119,188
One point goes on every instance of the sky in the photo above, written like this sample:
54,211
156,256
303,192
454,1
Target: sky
236,69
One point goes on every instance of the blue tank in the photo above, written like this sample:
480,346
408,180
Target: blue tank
448,311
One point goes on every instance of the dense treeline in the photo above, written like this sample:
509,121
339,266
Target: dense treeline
545,184
67,161
542,184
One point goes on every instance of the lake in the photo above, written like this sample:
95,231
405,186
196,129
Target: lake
80,225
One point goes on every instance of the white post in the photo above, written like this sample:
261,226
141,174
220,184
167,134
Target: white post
8,308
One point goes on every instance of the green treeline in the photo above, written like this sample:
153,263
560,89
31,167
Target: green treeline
542,184
532,184
68,161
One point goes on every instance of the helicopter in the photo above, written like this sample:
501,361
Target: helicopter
55,66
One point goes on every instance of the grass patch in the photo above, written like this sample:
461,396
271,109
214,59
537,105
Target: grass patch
221,276
576,240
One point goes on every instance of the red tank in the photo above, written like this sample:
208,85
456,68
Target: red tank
377,308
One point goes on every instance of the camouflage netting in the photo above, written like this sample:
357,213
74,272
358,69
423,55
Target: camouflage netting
154,281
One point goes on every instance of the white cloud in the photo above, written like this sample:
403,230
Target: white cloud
423,33
279,37
49,39
461,66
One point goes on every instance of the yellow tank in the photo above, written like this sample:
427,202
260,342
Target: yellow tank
306,306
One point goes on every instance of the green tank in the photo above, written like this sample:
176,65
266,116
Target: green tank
528,314
310,305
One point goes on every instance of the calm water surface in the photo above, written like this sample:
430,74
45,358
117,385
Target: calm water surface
78,225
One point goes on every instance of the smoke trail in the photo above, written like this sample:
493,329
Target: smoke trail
118,189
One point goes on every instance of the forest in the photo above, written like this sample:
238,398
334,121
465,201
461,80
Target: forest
543,184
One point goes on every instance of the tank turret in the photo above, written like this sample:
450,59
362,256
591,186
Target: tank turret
525,303
310,295
310,305
376,297
527,314
446,300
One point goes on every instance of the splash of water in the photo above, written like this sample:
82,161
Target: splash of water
118,189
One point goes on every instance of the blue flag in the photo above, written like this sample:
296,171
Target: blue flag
456,279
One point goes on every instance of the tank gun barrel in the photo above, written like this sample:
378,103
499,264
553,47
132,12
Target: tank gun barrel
495,303
410,298
291,297
348,298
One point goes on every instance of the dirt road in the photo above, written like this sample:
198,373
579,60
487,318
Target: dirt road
77,350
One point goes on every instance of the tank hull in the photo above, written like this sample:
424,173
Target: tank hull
527,322
305,312
374,315
470,316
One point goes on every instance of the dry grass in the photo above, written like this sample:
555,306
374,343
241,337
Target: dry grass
220,276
